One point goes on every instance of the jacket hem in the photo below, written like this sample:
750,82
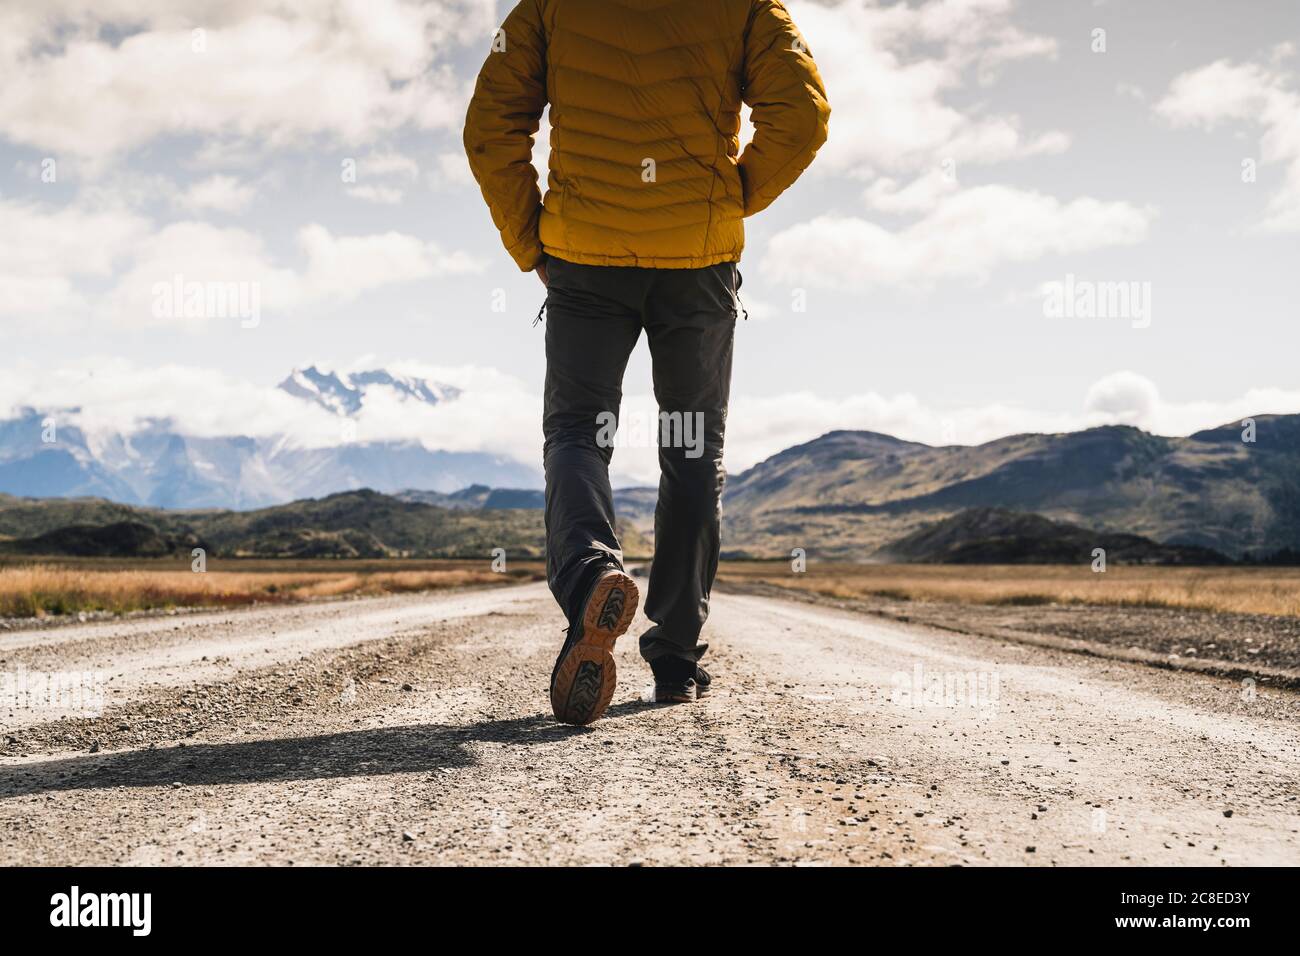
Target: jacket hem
642,262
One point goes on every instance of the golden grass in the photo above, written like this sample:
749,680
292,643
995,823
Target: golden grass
1244,590
71,586
38,590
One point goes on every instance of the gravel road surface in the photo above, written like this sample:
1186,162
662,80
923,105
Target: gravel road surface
416,729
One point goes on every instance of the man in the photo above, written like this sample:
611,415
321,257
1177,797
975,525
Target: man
641,228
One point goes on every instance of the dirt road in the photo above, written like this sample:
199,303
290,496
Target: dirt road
416,730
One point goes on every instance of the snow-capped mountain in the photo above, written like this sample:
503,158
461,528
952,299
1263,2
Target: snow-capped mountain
345,394
157,464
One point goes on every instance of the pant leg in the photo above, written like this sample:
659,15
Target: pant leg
690,321
593,321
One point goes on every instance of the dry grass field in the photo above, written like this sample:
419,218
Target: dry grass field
61,586
68,586
1246,590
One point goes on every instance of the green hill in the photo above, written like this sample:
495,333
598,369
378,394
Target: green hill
350,524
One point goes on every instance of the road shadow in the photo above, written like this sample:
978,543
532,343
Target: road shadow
419,748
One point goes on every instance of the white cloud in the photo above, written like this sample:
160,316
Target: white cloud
337,268
98,259
496,413
198,252
1124,397
889,71
389,164
44,252
386,195
1248,93
965,235
760,427
889,68
383,177
217,193
1213,93
343,267
920,195
344,69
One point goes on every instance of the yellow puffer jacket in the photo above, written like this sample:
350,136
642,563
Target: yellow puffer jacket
645,118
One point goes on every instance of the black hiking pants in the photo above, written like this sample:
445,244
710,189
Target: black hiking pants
595,315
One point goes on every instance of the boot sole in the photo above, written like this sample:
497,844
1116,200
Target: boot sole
585,681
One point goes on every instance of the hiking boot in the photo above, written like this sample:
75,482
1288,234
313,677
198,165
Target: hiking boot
583,680
678,681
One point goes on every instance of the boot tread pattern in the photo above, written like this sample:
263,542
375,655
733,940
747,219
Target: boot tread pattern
585,681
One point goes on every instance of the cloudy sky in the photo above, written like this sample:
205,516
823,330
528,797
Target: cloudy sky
984,157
